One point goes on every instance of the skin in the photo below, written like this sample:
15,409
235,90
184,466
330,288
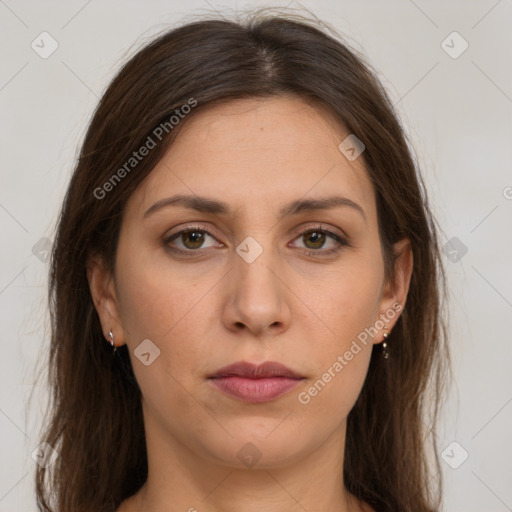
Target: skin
211,308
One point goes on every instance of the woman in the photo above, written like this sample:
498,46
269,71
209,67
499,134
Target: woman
245,287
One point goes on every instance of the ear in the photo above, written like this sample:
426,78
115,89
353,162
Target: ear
103,293
394,294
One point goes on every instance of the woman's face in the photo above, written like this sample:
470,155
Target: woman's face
257,278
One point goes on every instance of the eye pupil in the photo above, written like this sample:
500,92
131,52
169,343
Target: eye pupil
317,238
195,236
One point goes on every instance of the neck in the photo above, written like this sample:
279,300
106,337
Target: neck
180,480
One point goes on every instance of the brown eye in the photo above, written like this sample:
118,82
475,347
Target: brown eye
321,242
317,239
189,239
192,239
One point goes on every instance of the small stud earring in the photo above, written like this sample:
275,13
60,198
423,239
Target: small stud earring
111,336
385,352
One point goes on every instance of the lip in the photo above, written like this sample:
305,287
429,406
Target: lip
255,383
256,371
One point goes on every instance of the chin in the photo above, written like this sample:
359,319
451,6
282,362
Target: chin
259,448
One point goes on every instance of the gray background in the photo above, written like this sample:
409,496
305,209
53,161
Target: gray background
457,111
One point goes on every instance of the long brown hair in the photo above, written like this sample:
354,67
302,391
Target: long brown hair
95,417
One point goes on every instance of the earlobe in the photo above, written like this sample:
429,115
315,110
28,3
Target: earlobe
103,294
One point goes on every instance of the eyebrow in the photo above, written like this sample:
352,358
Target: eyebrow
208,205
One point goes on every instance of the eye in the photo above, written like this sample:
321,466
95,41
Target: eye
191,239
317,241
320,242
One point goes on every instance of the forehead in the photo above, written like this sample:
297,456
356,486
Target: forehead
258,153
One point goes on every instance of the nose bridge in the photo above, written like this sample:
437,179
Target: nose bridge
257,297
253,263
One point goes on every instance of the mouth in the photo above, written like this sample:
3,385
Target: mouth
255,383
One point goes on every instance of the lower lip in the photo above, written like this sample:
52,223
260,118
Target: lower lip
255,390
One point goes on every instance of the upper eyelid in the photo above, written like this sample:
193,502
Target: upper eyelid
191,227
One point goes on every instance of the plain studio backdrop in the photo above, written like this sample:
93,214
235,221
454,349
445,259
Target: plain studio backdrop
447,66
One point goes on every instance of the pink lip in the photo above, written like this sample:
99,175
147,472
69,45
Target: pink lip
255,390
255,383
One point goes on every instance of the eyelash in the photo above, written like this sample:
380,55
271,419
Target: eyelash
340,241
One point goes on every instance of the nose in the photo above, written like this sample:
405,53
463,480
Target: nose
259,298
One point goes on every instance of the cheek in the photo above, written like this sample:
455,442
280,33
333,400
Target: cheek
161,308
347,306
154,300
343,353
327,401
168,308
344,302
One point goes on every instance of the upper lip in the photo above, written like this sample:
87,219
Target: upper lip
256,371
